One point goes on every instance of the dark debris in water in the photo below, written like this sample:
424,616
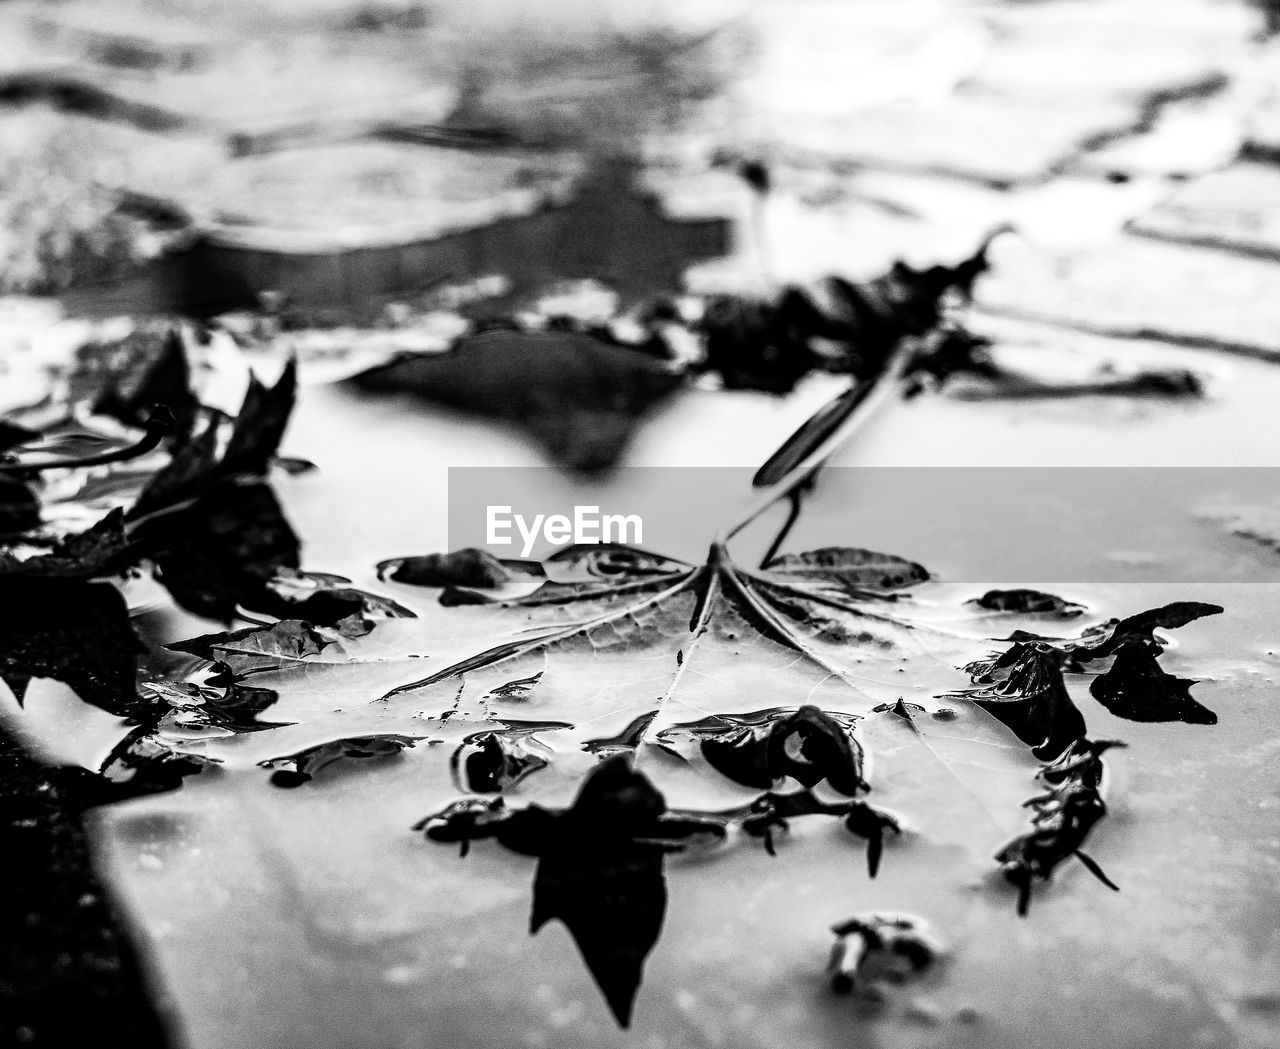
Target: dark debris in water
1137,688
1025,601
875,949
1062,818
295,769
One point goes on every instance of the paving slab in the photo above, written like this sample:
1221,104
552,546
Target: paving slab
1124,49
1236,209
1132,286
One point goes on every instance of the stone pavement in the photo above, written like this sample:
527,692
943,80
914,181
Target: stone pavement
1132,143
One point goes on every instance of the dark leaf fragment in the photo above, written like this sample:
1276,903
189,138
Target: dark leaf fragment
222,551
72,631
1063,817
251,444
165,380
295,769
599,869
1027,601
1024,690
759,345
19,507
324,600
12,435
1103,640
580,396
849,569
102,549
872,948
601,879
1137,688
808,746
470,569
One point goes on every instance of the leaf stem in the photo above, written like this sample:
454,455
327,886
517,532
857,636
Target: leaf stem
874,393
793,515
159,424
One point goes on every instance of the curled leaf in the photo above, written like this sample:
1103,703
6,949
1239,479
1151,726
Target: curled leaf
808,746
1023,689
1105,639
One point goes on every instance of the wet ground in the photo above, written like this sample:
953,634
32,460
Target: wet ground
1132,145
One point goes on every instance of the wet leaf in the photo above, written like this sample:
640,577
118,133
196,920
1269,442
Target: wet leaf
1062,818
876,948
623,651
1137,688
1028,602
472,576
599,868
1105,639
165,380
684,706
848,569
212,456
222,550
578,395
19,507
72,631
463,573
295,769
324,600
12,435
598,876
1024,690
102,549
